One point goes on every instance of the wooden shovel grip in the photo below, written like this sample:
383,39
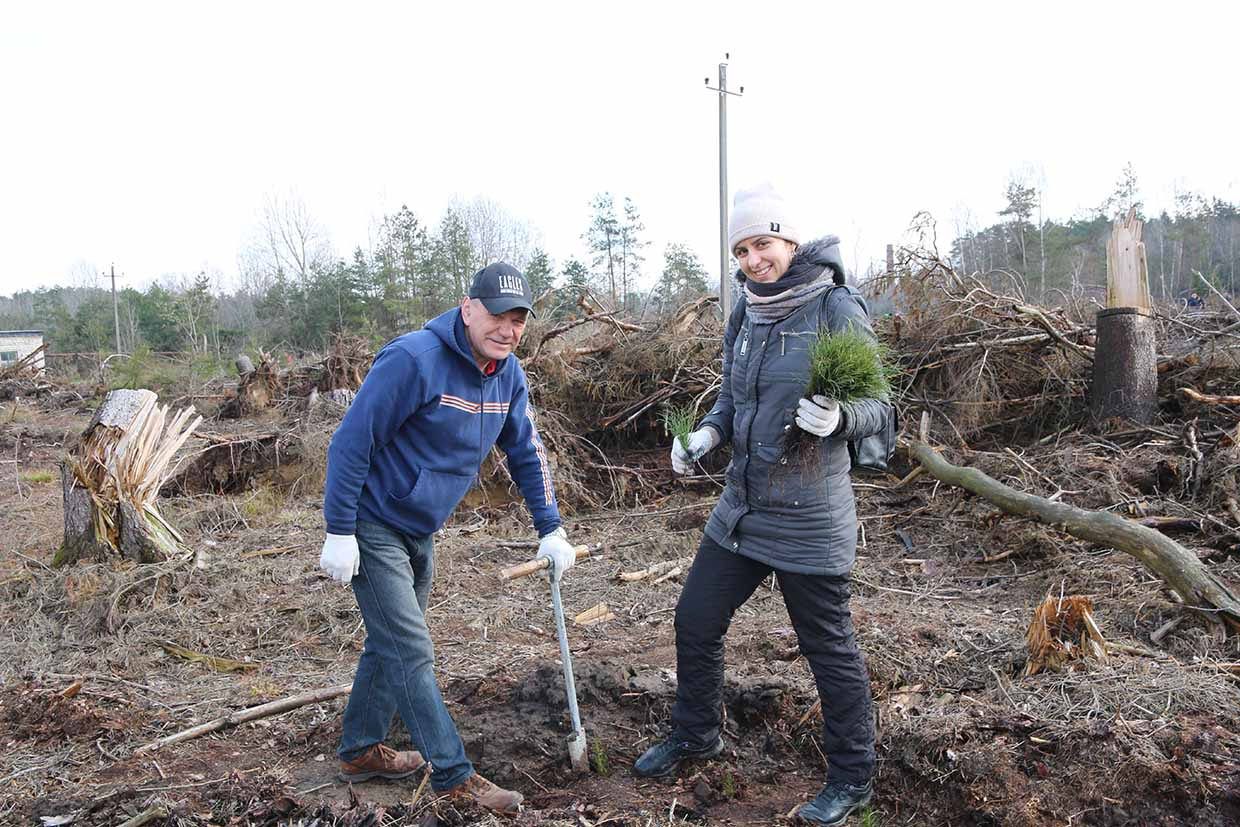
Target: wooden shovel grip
531,566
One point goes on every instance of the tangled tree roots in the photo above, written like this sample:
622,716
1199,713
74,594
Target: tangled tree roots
257,388
346,365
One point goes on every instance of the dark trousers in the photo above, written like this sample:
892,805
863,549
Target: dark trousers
718,584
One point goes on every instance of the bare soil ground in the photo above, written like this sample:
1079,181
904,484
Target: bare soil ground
943,593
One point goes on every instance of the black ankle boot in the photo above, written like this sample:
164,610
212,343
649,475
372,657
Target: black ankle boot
663,757
837,801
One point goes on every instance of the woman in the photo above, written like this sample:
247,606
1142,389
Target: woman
790,514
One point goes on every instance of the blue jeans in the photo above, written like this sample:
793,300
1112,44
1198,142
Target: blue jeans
396,672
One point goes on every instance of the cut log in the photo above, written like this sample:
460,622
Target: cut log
244,364
1177,566
111,481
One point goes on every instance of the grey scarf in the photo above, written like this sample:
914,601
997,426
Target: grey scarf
771,309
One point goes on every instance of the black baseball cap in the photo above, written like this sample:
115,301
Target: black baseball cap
501,287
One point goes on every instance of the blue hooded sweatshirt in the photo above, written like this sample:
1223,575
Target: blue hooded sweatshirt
413,440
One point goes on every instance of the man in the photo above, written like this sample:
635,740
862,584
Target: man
409,448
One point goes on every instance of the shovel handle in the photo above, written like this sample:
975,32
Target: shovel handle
531,566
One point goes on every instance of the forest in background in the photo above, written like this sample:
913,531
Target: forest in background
294,292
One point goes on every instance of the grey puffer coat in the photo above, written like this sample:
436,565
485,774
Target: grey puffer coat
792,513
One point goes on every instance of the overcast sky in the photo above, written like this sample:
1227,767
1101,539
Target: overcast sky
149,135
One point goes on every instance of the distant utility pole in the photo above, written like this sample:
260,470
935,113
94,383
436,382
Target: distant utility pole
116,313
725,291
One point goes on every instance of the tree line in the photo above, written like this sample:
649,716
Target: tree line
294,292
1197,241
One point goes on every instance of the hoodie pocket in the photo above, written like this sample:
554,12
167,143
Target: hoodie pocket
431,500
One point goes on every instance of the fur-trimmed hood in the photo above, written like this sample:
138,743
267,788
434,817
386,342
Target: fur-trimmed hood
820,253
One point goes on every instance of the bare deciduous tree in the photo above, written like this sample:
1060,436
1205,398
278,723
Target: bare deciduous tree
495,233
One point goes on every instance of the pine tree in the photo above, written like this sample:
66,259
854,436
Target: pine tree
575,275
1126,195
455,254
538,273
1022,200
683,276
631,246
603,237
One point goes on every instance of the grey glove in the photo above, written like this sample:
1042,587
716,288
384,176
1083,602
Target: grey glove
700,442
819,416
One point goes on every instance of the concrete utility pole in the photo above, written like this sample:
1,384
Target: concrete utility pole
725,289
116,313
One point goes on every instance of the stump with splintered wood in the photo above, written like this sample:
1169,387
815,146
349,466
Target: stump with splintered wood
111,481
1063,633
1125,382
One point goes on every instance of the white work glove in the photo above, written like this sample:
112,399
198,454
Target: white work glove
700,441
556,548
820,416
340,557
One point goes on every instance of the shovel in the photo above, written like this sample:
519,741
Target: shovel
576,741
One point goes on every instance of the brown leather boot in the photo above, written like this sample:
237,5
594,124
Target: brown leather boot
381,761
488,795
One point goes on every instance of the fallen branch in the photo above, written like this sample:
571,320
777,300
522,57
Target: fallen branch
1210,399
212,662
155,812
642,574
668,576
1040,318
252,714
1177,566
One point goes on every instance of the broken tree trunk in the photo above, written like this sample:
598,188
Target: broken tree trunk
257,387
244,364
111,481
1178,567
1126,364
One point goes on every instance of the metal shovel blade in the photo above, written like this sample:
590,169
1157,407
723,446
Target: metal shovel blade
577,741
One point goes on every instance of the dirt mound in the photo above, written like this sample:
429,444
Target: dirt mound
39,714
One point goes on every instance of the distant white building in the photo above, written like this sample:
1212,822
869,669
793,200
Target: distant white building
17,344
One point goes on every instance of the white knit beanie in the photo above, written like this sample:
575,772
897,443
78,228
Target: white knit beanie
759,211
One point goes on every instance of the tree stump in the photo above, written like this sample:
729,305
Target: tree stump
1126,364
110,481
1125,380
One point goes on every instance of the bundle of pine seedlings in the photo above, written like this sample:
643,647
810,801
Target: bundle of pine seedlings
846,365
678,423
